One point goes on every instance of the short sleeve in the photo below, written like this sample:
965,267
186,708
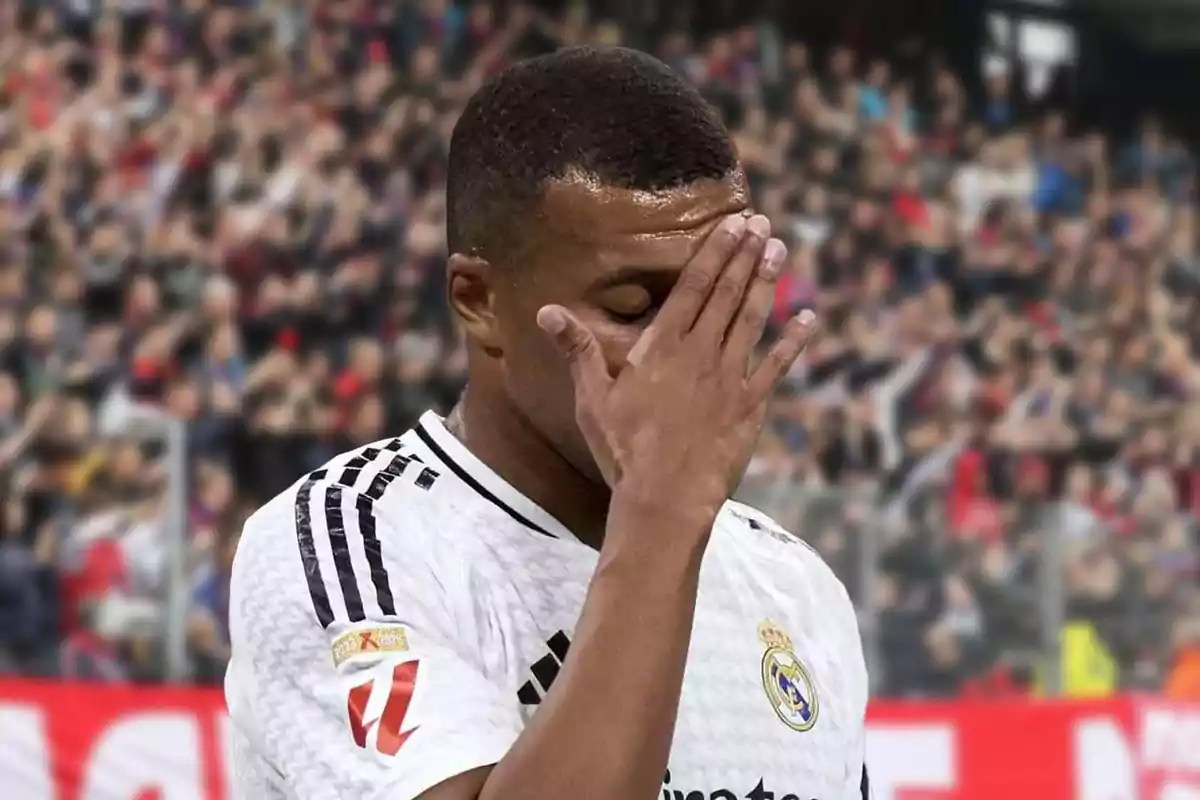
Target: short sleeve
371,704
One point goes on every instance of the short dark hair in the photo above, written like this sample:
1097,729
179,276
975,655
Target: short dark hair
611,112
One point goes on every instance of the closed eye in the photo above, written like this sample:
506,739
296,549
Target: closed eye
631,303
633,318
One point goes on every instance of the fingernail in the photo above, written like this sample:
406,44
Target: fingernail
734,225
773,256
760,226
551,320
807,317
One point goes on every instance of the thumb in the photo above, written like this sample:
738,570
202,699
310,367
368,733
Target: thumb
574,341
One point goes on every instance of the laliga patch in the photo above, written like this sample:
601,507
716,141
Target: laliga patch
363,641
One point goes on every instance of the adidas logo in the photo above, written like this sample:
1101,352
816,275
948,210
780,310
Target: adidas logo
545,670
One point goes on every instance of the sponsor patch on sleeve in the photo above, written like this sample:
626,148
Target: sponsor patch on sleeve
392,639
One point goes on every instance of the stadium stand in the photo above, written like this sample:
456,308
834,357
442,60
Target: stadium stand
235,211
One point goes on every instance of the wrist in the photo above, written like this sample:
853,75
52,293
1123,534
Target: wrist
678,491
648,547
640,506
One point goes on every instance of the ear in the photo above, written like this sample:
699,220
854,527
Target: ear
471,293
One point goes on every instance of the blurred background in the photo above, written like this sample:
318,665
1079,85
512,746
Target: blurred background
221,253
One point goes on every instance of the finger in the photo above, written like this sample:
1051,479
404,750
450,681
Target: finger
746,330
641,346
577,345
730,289
796,336
678,313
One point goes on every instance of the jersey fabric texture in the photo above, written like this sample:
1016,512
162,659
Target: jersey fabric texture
398,615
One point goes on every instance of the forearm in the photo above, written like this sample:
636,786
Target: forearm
604,731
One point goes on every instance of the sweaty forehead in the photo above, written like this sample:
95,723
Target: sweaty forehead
623,227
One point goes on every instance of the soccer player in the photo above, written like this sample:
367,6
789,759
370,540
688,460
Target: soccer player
548,594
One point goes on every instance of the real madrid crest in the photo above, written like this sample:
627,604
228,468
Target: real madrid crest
785,680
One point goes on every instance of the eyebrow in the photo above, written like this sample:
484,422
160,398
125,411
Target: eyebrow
643,274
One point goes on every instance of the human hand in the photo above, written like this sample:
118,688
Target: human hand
680,420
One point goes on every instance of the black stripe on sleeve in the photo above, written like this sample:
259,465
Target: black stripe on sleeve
335,521
865,784
426,477
559,645
379,575
527,695
365,506
393,470
308,550
354,467
545,669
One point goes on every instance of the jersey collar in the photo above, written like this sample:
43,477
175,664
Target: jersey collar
454,455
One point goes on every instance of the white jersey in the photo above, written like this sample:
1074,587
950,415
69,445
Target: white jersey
398,615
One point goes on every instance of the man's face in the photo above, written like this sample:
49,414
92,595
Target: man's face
610,256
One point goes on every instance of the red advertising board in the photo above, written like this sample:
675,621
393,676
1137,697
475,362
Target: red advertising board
74,742
1168,750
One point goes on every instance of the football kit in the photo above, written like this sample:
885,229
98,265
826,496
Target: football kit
398,615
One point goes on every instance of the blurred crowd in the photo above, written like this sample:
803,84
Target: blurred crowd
233,212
